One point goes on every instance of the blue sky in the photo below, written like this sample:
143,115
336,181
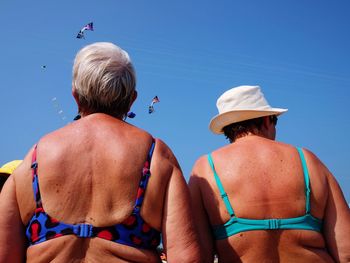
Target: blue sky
188,53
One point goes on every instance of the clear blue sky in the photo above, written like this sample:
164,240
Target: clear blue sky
188,53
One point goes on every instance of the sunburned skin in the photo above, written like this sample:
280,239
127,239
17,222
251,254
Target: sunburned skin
264,179
101,192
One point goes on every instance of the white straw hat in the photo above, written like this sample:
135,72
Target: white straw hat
240,104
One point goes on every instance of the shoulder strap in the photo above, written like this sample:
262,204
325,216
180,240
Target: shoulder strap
35,180
306,179
151,150
221,188
146,173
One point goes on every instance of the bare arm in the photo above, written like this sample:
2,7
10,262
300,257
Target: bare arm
179,235
337,222
12,233
201,218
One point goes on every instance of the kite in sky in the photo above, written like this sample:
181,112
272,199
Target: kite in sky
151,107
86,27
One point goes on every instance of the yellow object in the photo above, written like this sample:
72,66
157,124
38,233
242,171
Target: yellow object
9,167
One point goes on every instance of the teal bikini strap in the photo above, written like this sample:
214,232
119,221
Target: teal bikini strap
221,188
307,180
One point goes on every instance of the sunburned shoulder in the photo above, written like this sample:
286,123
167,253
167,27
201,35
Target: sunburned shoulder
311,157
310,154
200,166
65,133
95,127
163,150
313,161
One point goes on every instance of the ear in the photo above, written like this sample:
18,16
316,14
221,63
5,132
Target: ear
265,127
134,97
266,122
76,98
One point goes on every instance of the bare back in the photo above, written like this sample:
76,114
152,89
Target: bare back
263,179
89,172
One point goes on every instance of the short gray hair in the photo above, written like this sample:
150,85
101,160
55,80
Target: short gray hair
104,79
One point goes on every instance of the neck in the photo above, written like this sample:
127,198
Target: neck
242,137
85,114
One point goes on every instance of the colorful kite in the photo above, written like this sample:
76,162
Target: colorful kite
86,27
151,107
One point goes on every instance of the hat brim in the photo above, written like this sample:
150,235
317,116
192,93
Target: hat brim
221,120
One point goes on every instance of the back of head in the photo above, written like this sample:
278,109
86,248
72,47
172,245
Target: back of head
103,79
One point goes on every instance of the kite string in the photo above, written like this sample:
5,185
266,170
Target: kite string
58,109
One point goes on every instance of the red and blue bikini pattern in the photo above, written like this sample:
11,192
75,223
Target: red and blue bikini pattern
134,231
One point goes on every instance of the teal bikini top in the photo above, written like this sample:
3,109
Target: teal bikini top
236,225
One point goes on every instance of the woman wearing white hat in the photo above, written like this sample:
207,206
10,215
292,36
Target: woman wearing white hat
258,200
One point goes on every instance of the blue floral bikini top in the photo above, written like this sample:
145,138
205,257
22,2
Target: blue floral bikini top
133,231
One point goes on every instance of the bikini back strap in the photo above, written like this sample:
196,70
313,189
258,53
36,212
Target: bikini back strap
146,173
306,179
35,180
221,188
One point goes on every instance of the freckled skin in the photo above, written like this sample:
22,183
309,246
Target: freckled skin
89,172
264,179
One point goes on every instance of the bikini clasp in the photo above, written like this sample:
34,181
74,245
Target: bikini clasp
83,230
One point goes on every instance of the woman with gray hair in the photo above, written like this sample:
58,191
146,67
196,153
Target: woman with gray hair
259,200
98,189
